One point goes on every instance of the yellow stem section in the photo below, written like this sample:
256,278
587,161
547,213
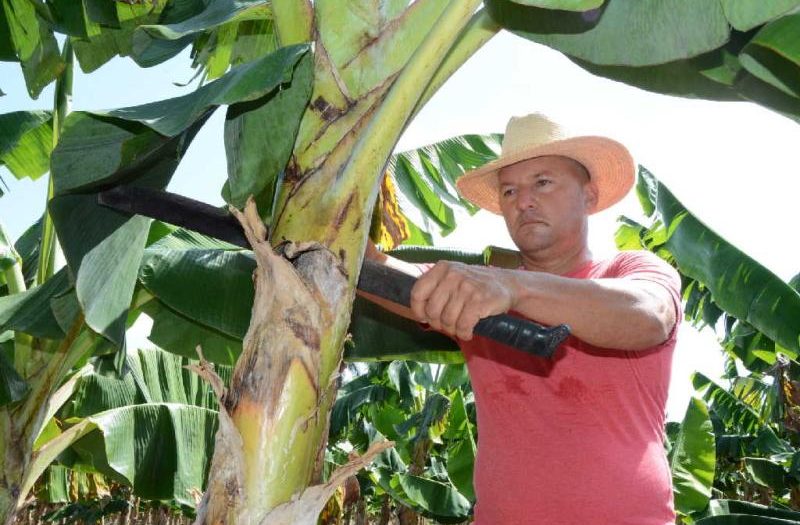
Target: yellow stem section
337,211
294,20
481,29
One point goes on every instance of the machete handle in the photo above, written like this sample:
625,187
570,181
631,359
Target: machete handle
521,334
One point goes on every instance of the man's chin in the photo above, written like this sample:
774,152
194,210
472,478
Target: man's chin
528,244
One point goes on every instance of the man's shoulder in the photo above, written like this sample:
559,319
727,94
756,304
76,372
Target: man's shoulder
630,262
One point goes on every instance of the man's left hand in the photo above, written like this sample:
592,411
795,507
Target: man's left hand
452,297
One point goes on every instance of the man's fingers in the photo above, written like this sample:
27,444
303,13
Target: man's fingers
424,289
436,304
451,313
466,325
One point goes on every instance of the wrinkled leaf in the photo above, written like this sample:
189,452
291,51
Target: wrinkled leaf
163,450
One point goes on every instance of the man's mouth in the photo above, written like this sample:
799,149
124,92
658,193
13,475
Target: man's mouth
526,222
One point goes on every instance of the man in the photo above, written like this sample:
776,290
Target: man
577,439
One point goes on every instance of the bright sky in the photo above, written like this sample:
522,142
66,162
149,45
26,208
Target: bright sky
732,164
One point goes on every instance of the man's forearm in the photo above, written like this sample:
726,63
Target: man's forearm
625,314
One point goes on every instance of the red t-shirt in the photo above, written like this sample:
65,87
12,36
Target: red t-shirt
578,439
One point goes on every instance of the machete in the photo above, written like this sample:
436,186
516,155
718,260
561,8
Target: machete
375,278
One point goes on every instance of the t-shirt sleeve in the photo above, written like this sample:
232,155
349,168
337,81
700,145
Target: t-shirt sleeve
644,265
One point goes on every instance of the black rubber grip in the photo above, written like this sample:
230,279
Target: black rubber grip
521,334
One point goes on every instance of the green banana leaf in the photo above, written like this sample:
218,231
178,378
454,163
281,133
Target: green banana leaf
26,141
428,422
110,28
697,77
154,426
731,512
27,247
621,32
348,403
692,459
12,387
767,473
224,301
141,145
156,43
274,119
744,519
433,499
462,449
564,5
32,311
725,507
744,16
734,413
162,450
738,284
773,55
425,178
27,38
179,335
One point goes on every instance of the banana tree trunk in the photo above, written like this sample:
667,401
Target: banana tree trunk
11,470
274,417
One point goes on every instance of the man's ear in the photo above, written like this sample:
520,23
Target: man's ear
591,195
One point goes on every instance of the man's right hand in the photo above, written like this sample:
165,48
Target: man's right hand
452,297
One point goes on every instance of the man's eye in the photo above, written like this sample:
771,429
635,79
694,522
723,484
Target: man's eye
543,182
507,192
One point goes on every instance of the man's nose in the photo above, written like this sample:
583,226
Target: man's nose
526,199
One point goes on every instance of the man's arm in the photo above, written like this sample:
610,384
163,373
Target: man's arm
619,313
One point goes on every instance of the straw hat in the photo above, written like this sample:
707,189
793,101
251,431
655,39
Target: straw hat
608,162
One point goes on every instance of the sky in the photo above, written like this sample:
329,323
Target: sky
732,164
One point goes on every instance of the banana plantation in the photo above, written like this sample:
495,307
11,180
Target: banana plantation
269,393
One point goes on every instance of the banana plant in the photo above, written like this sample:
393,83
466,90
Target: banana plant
317,95
737,445
428,411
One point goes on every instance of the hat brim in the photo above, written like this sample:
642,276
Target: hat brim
610,165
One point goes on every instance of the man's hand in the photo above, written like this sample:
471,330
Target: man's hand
453,297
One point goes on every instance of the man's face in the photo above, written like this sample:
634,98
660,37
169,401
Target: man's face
545,202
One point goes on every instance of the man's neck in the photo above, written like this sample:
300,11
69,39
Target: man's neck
558,264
